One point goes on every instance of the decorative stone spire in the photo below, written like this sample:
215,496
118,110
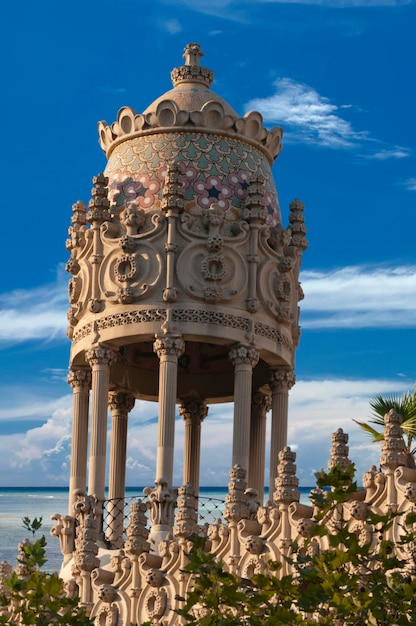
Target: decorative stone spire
136,531
192,72
392,448
286,483
255,205
99,204
187,512
236,499
339,450
297,226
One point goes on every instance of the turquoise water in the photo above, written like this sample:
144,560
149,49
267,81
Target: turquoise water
19,502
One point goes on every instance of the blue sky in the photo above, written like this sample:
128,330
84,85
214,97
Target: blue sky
339,76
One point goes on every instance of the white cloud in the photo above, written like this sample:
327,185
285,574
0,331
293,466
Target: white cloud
172,26
317,409
231,10
38,313
359,297
409,184
342,4
396,152
311,117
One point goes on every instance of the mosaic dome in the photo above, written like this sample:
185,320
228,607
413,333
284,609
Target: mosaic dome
219,152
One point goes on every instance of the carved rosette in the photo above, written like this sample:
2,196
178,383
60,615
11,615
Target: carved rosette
107,615
162,503
155,603
339,450
236,500
282,379
393,452
286,482
133,220
187,512
136,532
169,346
244,355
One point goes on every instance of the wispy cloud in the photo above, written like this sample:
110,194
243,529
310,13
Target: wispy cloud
172,26
38,313
310,117
237,11
409,184
342,4
360,297
395,152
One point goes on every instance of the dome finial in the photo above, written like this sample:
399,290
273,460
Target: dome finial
192,54
192,72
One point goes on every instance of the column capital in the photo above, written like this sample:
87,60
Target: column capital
282,378
171,345
191,409
100,356
261,401
79,378
122,401
244,355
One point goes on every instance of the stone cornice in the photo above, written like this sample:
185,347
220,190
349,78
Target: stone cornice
211,119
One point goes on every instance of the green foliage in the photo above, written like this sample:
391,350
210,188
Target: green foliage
405,405
34,596
349,583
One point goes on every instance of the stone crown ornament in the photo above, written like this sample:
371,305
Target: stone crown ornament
198,110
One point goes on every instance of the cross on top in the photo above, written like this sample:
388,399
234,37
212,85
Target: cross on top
192,54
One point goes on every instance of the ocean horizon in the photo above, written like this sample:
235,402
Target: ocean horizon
19,502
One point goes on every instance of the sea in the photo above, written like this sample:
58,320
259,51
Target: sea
42,502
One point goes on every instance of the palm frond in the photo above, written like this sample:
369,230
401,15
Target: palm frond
375,434
405,405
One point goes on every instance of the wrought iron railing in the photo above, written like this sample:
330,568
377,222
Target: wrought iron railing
117,511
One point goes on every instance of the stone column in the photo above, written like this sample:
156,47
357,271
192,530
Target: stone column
80,380
168,349
261,403
193,413
99,360
281,380
244,359
121,403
